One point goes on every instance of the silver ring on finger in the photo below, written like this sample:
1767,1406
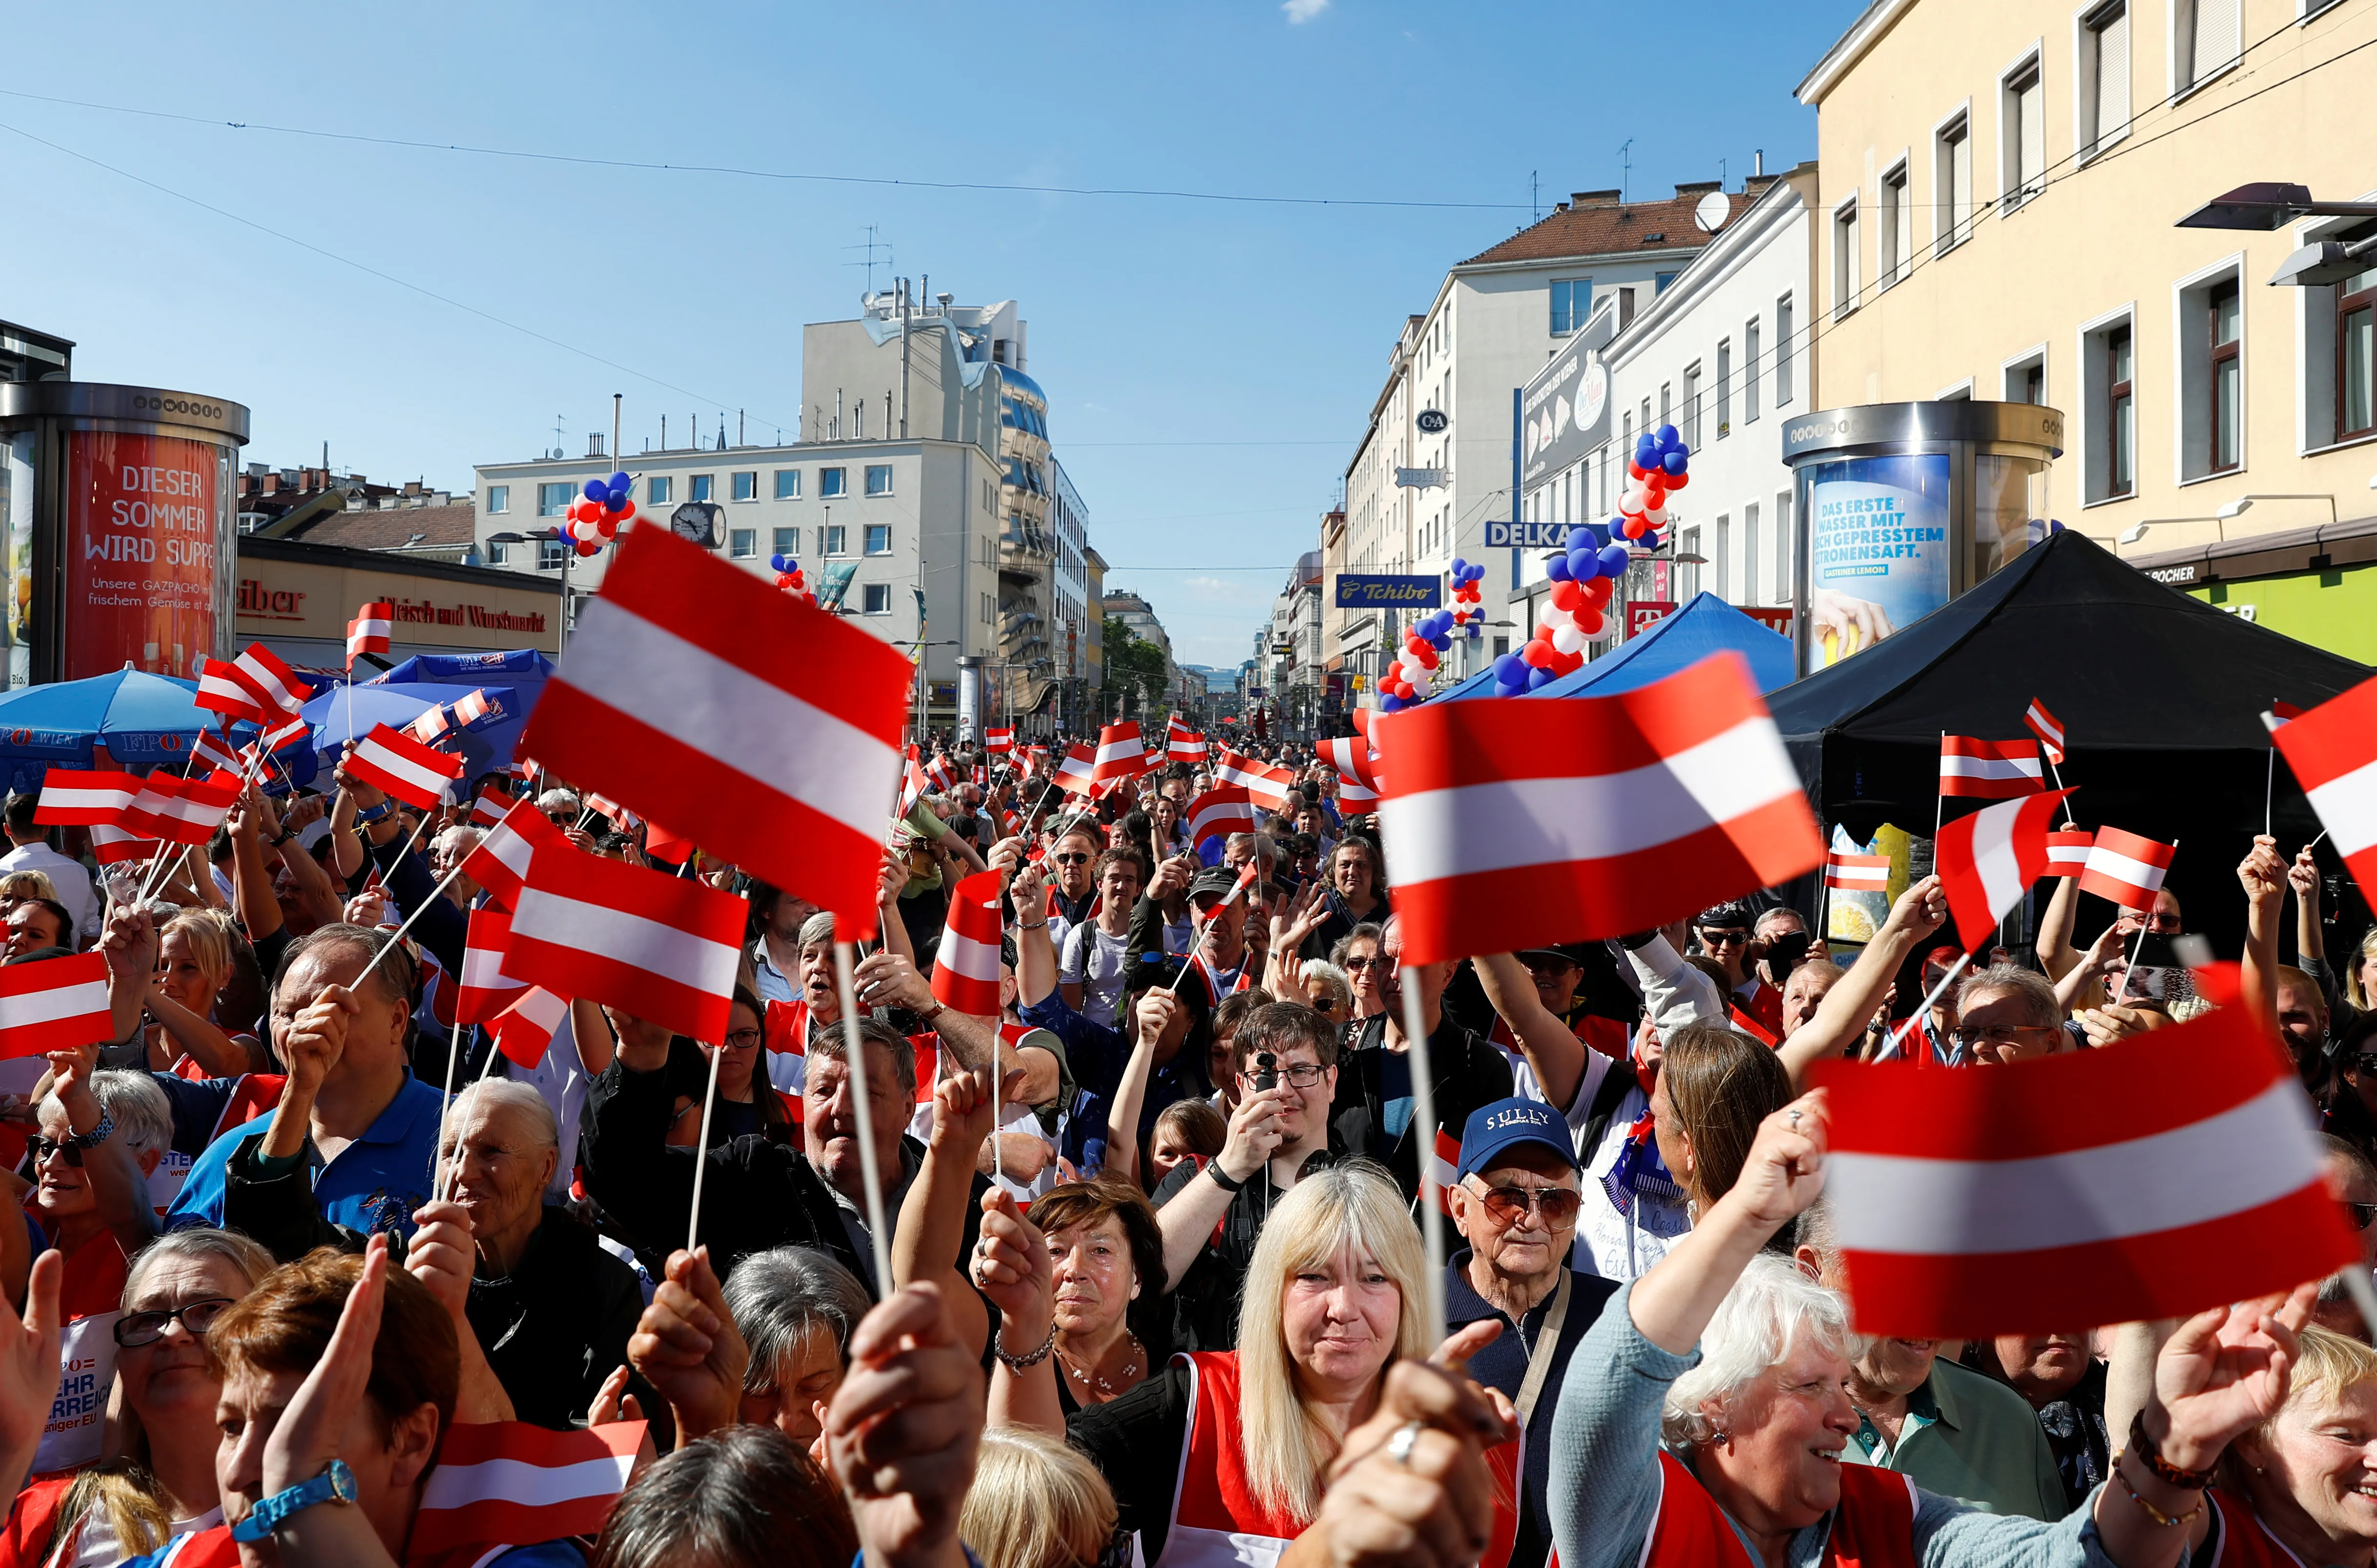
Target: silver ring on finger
1399,1447
1795,1118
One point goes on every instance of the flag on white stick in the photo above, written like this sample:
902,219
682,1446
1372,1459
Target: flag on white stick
1075,771
402,766
499,861
2067,851
83,798
56,1004
2127,868
662,948
2332,750
512,1484
1857,874
2048,728
486,990
1989,770
1986,860
369,631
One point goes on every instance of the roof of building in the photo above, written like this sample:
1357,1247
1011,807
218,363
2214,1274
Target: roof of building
392,527
1597,223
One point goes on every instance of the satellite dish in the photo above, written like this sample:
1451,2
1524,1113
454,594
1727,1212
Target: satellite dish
1712,212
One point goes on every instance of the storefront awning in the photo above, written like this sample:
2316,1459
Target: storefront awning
2345,543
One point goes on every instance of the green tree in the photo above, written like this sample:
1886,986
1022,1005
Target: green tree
1130,664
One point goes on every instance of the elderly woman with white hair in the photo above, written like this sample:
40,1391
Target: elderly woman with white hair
1704,1417
550,1307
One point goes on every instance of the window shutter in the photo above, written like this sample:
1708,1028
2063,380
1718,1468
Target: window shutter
2032,170
2217,33
2113,73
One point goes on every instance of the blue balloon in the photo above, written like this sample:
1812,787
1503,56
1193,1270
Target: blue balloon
596,489
1538,679
1646,450
1509,666
1676,461
1440,643
1575,536
615,501
1459,566
1649,542
1613,561
1389,703
619,483
1557,568
1583,565
1668,438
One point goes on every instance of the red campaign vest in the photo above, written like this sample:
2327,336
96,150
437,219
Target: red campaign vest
25,1540
1873,1527
1216,1524
1761,1013
2237,1538
90,1300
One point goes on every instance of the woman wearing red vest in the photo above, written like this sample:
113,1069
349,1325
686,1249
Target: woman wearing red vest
1220,1459
1740,1365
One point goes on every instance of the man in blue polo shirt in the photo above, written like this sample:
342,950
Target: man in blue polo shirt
353,1120
1515,1199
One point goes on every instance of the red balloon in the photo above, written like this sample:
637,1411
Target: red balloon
1595,594
1676,481
1426,654
1567,663
1635,470
587,547
1590,622
1538,653
625,511
1568,595
1654,497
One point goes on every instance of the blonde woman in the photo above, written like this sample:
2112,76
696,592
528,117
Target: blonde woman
194,964
1035,1503
1237,1444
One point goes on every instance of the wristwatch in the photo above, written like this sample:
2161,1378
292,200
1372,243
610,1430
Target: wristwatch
336,1484
96,1136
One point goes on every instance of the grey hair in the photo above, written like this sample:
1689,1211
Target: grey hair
780,1297
197,1244
461,834
392,975
833,1044
143,1116
508,1092
558,800
1330,975
2038,996
816,928
1771,1309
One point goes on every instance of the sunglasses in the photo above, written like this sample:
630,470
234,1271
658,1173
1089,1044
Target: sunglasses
40,1149
146,1328
1372,962
1724,938
2362,1215
1070,860
1559,1205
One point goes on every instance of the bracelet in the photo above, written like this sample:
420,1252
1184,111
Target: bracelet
1222,1178
96,1136
1024,925
2163,1470
2156,1515
1018,1364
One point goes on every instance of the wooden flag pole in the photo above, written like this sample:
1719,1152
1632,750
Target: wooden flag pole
1423,1128
855,1044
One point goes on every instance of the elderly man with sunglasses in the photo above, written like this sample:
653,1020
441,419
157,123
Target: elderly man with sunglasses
1515,1198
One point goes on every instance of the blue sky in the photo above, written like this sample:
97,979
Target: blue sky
1209,364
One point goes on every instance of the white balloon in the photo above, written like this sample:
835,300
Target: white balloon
1569,639
1656,519
1554,616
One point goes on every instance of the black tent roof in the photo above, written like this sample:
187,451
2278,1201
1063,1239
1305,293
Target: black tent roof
2160,695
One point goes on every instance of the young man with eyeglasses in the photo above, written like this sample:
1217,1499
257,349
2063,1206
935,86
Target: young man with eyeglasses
1515,1198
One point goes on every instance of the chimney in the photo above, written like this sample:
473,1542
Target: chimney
593,443
1758,164
1594,199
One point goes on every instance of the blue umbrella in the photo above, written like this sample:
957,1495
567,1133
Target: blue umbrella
482,748
142,720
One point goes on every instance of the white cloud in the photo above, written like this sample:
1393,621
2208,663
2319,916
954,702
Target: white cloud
1304,10
1221,588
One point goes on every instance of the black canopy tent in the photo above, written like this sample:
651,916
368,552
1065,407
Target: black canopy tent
2161,697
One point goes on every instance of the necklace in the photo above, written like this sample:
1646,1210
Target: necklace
1134,1366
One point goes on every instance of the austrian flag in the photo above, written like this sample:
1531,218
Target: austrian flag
402,766
2146,1179
1075,772
662,948
1989,770
2126,868
1988,860
59,1004
85,799
368,632
2332,750
966,971
510,1483
1121,755
1857,874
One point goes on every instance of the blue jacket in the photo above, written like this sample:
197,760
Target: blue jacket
374,1184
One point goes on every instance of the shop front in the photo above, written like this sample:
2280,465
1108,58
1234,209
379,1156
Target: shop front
297,598
2316,585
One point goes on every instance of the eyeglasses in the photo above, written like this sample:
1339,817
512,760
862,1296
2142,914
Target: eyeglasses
2366,1062
1325,1005
1510,1205
743,1039
1999,1034
40,1149
1369,961
2362,1215
1070,860
1724,938
147,1328
1304,1075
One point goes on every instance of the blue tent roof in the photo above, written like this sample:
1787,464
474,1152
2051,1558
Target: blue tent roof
1705,625
1478,685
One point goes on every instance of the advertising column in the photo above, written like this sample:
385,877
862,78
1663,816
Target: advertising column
1878,547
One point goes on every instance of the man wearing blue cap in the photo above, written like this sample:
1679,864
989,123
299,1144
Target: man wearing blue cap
1515,1198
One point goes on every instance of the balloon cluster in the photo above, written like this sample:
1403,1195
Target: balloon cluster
1469,614
1585,578
1415,668
595,516
789,579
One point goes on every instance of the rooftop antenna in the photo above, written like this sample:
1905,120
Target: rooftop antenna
556,435
1534,197
1720,174
871,245
1625,168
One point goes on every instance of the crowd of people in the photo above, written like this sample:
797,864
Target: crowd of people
1157,1288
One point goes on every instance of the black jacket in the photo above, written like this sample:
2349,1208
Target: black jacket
1468,1073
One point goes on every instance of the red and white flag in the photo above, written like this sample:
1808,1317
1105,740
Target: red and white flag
938,773
1509,827
217,752
1986,860
1121,754
662,948
998,739
368,632
500,860
965,970
471,707
1074,772
1233,769
1182,743
147,814
1220,811
2126,868
491,806
761,727
1857,874
2067,851
2147,1179
428,724
56,1004
1267,786
2332,750
287,734
486,990
1444,1166
912,783
84,799
222,691
256,687
1989,770
113,845
413,773
198,808
2048,728
524,1029
2284,712
512,1484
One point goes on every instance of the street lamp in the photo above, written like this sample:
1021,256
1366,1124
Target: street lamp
2268,204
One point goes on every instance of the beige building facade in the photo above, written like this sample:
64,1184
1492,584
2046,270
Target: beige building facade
2000,186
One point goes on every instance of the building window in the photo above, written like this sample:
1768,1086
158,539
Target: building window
498,552
1895,254
743,543
1845,257
878,600
832,482
552,500
551,555
2110,452
1787,555
1750,336
987,615
1659,281
1688,576
1782,350
1952,177
829,539
745,486
2224,322
786,541
656,490
1723,559
878,539
2025,380
1750,553
2355,356
703,486
499,498
788,484
1692,407
2104,77
1724,388
1572,303
2210,35
1665,404
2021,134
878,479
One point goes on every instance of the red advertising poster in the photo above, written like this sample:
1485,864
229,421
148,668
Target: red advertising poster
139,547
1644,614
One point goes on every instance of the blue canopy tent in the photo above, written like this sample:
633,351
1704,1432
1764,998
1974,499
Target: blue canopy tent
1478,685
524,669
347,710
1706,624
142,720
